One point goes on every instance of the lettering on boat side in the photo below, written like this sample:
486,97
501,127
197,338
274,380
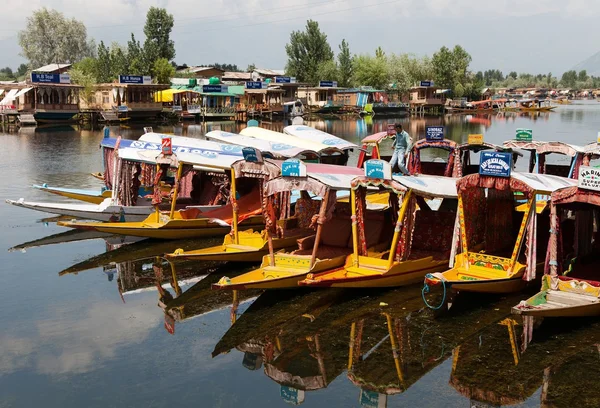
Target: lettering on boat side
378,169
589,178
475,139
524,135
252,155
433,133
293,168
122,108
497,164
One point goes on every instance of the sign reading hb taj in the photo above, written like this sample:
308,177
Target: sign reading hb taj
496,164
135,79
38,78
589,178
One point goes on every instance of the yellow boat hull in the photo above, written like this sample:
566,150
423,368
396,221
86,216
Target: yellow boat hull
169,229
252,247
373,273
93,199
288,270
483,274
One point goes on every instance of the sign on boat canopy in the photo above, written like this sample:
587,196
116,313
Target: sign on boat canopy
589,178
475,139
434,133
378,169
252,155
496,164
293,168
166,146
524,135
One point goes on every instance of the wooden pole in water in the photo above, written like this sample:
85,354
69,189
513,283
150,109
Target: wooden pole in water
176,192
401,213
319,229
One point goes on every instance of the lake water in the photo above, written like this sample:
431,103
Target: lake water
100,338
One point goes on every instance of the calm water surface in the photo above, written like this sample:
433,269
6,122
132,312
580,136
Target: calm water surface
84,322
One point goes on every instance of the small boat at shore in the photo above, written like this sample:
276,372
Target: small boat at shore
408,243
88,196
570,286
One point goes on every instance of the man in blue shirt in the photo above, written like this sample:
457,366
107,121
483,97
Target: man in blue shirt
402,145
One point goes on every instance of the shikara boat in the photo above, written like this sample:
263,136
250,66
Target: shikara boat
498,251
540,151
463,165
315,135
251,245
408,243
570,286
371,148
190,222
443,167
327,249
89,196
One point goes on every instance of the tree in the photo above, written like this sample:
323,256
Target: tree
119,61
344,65
85,79
582,76
7,74
371,71
163,71
443,67
460,61
569,79
306,51
50,38
103,66
251,68
458,91
135,57
159,24
328,71
379,53
513,75
22,70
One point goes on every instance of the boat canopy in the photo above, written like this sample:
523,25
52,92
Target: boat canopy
269,135
526,183
477,103
414,160
315,135
268,169
521,144
213,162
318,183
559,147
477,147
276,149
423,185
180,144
167,94
375,139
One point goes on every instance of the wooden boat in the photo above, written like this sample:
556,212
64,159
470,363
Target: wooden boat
371,144
188,223
567,289
493,231
250,245
329,154
463,153
400,257
445,167
531,105
89,196
318,136
539,152
325,250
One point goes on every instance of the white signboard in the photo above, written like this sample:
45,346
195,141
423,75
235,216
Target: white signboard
589,178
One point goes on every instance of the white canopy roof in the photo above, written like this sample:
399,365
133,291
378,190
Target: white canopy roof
265,134
182,144
9,97
544,182
315,135
277,149
429,186
212,162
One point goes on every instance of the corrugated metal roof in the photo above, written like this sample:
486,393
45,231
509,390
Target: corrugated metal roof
52,67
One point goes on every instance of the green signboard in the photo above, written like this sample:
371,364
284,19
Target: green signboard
524,135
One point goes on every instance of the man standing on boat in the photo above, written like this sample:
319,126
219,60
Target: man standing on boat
402,145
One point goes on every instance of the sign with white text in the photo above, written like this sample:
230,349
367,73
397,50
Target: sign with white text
328,84
496,164
135,79
252,155
254,85
434,133
524,135
378,169
589,178
426,83
293,168
39,78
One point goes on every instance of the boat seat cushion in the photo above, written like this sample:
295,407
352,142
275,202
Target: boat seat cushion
190,213
433,231
336,232
595,284
374,226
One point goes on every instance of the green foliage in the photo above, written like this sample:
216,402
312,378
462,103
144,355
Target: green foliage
86,79
379,53
443,68
513,75
251,68
135,56
328,71
119,61
345,65
50,38
582,76
184,74
371,71
22,70
306,51
459,91
103,66
569,79
163,71
159,24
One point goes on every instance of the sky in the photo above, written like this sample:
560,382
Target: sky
535,36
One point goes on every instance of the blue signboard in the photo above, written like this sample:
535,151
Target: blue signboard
433,133
283,80
214,88
370,399
122,108
50,78
291,395
328,84
378,169
254,85
135,79
497,164
426,83
252,155
293,168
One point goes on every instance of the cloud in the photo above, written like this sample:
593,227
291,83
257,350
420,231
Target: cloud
77,344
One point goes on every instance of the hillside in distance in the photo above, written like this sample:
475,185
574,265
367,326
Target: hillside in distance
591,65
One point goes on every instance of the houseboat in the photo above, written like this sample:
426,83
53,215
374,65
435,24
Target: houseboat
426,98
